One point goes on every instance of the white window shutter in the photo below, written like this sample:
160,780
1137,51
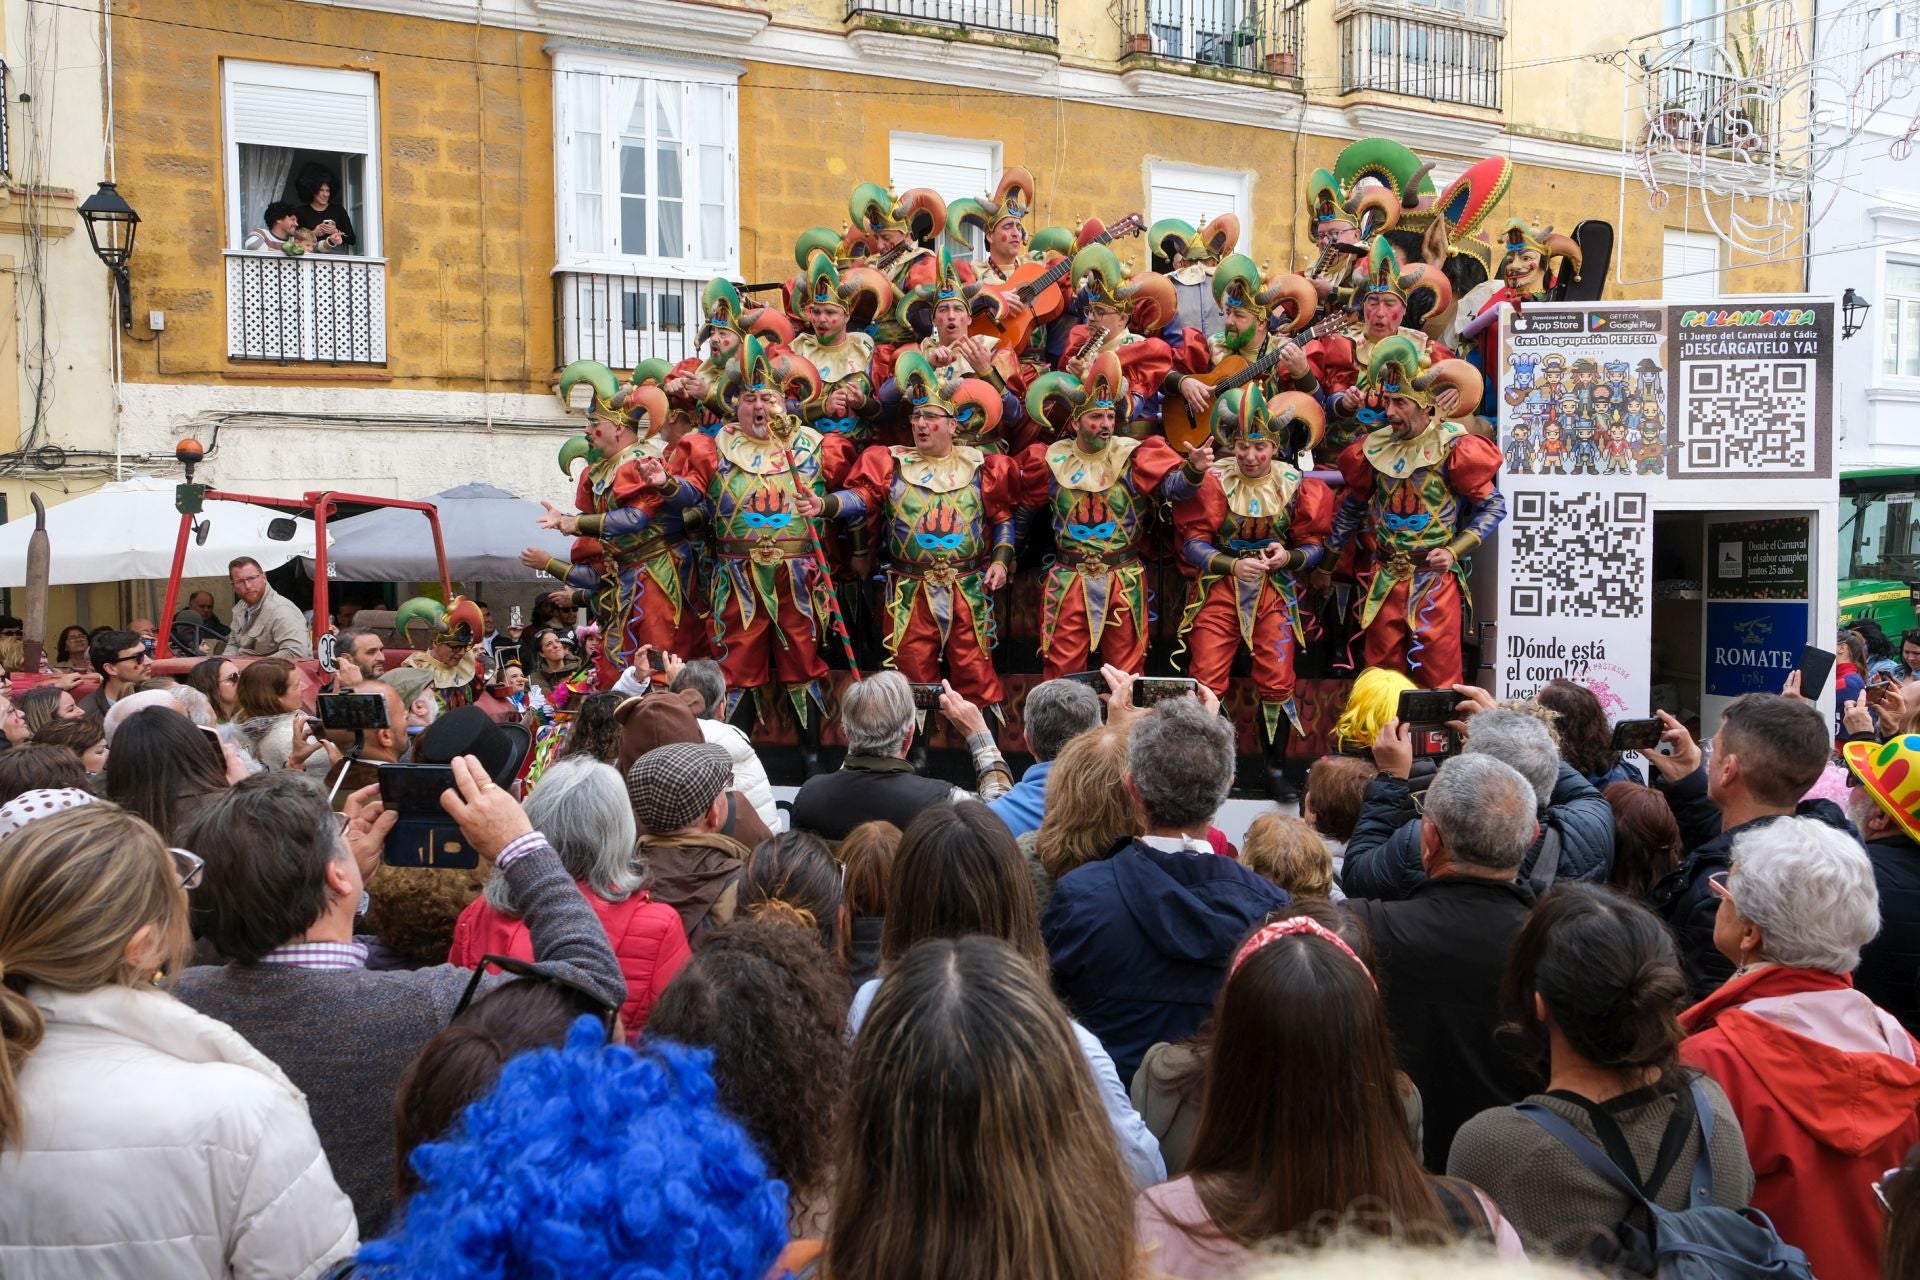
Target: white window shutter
954,167
1690,266
1193,195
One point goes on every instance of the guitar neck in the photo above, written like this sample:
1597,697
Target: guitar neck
1053,274
1265,364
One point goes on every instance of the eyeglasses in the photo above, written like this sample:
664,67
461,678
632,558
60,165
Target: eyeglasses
190,866
232,679
12,631
1717,883
138,655
583,1000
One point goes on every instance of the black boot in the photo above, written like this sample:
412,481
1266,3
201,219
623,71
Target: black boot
1279,788
807,722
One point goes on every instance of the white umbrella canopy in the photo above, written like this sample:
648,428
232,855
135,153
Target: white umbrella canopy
126,531
484,528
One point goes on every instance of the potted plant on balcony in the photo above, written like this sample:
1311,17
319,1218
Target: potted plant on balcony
1139,42
1285,64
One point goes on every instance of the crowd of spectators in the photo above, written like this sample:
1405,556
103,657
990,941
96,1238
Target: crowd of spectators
1051,1024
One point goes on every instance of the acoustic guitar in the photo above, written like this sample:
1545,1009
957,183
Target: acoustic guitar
1235,370
1037,292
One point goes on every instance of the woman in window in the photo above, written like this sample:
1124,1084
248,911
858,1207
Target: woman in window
320,209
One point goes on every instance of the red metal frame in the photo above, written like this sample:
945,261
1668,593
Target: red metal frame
319,507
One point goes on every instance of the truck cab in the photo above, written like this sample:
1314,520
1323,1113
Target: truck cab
1880,547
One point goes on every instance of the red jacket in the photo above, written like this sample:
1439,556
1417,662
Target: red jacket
647,939
1826,1086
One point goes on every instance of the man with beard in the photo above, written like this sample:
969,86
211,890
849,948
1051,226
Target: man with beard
1337,360
1420,494
1247,303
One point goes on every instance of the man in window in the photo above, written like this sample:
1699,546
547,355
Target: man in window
265,623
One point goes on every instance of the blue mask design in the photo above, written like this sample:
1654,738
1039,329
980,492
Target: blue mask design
1370,417
940,541
1406,524
1092,532
1248,544
768,519
835,426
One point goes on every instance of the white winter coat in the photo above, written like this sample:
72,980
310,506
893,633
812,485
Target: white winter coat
159,1145
749,775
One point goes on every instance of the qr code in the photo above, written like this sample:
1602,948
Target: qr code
1745,417
1577,554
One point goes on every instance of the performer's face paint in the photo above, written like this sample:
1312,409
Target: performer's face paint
1523,270
606,435
1383,313
1007,240
1242,329
932,432
1407,417
1255,457
827,320
723,344
1094,429
950,319
754,414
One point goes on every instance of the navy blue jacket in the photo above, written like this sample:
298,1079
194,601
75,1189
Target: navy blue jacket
1140,942
1891,962
1684,898
1383,858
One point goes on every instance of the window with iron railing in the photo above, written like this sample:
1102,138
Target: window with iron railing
1715,109
621,320
1391,50
1247,35
1038,19
313,309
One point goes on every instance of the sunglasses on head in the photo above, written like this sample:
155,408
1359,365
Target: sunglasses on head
190,867
583,1000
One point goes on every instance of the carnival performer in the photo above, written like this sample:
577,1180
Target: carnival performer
1531,268
694,385
902,231
1337,359
633,555
841,356
957,356
1125,314
1000,218
1248,306
773,600
449,656
1096,488
1338,246
947,513
1421,493
1253,524
1191,257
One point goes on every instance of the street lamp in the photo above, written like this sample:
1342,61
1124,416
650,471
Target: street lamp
1853,313
111,223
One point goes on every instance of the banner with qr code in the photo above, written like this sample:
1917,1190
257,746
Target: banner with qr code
1752,391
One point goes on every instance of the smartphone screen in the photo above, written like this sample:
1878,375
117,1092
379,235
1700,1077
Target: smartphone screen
1150,690
1094,680
428,842
352,711
1428,706
213,740
1815,666
415,789
1434,740
1637,735
926,697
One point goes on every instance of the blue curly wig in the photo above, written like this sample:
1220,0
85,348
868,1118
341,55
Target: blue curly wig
590,1161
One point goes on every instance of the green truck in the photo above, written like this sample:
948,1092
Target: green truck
1880,548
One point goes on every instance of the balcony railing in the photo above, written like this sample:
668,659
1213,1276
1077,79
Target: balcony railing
1711,108
1035,19
1247,35
1388,53
315,309
622,320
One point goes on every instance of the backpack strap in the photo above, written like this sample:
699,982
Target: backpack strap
1701,1188
1586,1152
1546,863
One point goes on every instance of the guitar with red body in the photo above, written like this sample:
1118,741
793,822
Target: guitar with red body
1037,292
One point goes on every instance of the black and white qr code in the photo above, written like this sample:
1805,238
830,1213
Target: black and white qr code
1745,417
1577,554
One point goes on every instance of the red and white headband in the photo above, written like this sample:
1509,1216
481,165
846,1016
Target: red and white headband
1287,928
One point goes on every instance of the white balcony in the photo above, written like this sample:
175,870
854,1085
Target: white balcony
314,309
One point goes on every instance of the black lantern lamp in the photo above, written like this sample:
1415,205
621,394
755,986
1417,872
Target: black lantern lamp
111,223
1853,313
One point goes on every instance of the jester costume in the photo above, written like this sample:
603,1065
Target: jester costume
1406,498
772,597
1337,358
1096,485
450,655
1192,256
695,385
1248,306
1234,515
900,231
943,516
634,557
843,360
1009,202
1531,269
1124,313
950,300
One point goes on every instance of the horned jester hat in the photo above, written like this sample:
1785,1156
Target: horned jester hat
972,403
1103,386
759,366
639,407
1293,420
1013,198
1394,370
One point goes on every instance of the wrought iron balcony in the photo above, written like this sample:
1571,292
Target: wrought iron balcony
1439,61
1246,35
1714,109
622,320
1034,19
315,309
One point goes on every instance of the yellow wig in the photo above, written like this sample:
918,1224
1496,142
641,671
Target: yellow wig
1374,700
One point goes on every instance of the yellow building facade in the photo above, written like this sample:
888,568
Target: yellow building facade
533,181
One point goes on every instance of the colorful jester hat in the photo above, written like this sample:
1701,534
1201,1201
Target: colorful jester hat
919,211
761,366
1394,370
459,622
861,292
722,308
1326,203
1292,419
639,407
1104,386
1013,198
972,403
1171,236
1381,177
1386,275
1238,286
1519,238
1147,300
945,286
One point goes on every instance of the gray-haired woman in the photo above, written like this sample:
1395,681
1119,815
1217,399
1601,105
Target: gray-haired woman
581,807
